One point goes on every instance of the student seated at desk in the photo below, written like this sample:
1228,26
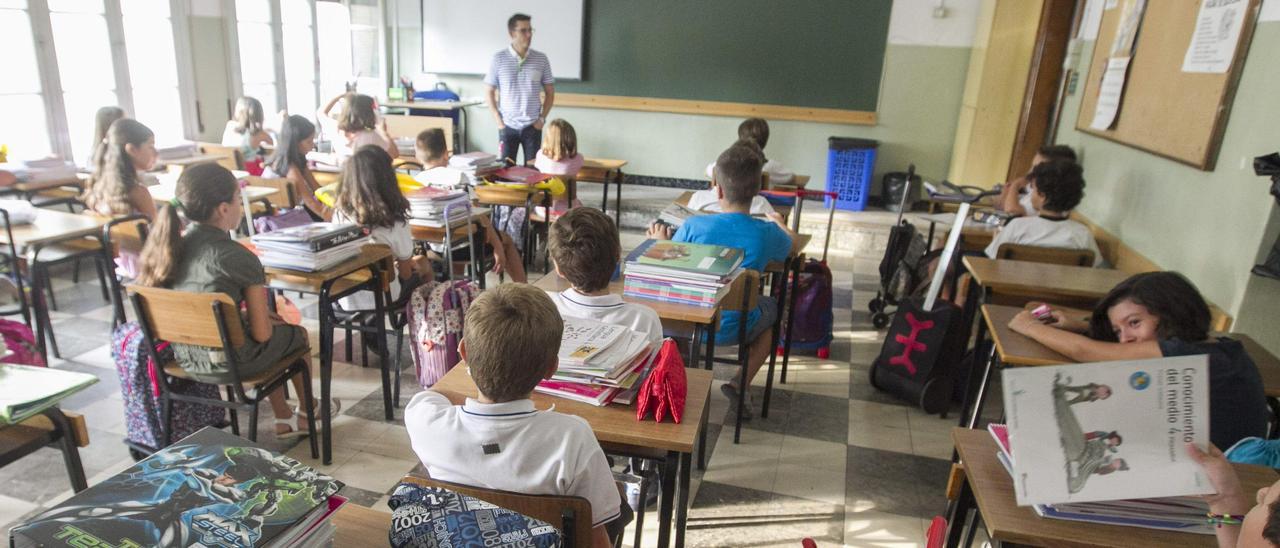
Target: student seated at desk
297,138
360,125
498,440
432,152
738,174
708,200
102,121
1154,315
1056,189
1015,195
756,130
559,156
246,131
204,259
118,184
370,197
585,250
1244,520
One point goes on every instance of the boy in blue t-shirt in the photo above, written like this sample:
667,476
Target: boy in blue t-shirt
737,181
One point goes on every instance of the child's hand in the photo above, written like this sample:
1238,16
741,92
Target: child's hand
1230,498
660,231
1024,322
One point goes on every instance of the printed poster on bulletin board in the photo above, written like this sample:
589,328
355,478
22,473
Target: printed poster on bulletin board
1111,91
1213,44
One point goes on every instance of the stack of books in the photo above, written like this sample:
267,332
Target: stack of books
176,151
28,390
40,171
680,272
476,165
1103,442
210,489
309,248
599,363
427,206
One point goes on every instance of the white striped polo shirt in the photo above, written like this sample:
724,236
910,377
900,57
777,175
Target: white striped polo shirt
519,84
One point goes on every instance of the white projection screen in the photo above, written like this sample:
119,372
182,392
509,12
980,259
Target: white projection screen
461,36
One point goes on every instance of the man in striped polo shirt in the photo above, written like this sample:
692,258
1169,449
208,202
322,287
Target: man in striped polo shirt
516,79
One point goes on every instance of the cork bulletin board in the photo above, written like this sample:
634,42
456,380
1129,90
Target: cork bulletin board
1165,111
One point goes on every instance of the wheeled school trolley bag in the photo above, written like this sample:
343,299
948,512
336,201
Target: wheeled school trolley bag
899,268
811,327
924,344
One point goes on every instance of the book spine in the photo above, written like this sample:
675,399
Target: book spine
334,240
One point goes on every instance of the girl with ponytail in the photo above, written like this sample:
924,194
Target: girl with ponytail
115,187
204,259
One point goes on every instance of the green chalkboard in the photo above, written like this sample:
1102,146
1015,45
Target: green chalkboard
806,53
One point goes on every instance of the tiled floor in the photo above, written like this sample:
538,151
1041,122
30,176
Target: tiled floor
835,460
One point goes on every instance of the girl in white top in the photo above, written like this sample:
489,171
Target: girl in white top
360,125
246,130
370,197
1056,189
706,200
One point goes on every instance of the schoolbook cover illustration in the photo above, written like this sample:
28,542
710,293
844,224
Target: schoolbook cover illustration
210,489
712,259
1107,431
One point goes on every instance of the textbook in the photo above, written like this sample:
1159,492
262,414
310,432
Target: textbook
427,206
27,390
309,237
584,339
665,258
1107,431
1186,514
209,489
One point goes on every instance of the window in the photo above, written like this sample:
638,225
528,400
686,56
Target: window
299,57
257,46
366,43
85,67
153,67
25,131
334,23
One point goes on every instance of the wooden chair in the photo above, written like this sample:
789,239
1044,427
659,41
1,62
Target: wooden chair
743,296
496,195
1051,255
406,166
572,515
123,234
212,320
284,196
230,157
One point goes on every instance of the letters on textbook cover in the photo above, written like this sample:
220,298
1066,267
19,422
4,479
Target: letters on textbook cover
1107,431
209,489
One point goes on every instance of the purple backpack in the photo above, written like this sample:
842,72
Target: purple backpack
140,386
435,312
21,344
813,317
287,218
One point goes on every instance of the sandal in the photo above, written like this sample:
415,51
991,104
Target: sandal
292,433
335,407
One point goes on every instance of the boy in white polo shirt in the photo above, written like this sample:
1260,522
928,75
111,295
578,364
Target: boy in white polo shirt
1056,188
498,440
585,249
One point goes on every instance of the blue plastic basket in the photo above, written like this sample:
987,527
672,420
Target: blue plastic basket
850,164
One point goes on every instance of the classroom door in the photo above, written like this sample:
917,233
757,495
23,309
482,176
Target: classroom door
1045,84
212,75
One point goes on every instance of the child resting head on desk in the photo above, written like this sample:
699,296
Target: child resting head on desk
1154,315
1056,189
117,185
498,440
762,242
585,249
432,152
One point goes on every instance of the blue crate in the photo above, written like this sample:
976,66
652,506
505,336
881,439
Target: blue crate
850,164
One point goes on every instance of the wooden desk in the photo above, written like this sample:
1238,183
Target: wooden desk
618,430
178,164
989,488
974,236
49,227
360,526
330,285
29,189
601,170
1043,281
51,428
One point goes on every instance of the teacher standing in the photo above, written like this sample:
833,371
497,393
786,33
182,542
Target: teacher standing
516,80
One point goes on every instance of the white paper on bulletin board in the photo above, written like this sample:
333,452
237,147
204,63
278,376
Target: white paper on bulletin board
1217,32
461,36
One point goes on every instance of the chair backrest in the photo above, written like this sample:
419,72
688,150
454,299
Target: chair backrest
188,318
127,233
401,126
230,156
1051,255
406,165
283,197
552,509
746,285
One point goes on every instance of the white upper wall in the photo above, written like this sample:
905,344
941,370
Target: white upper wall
912,23
206,8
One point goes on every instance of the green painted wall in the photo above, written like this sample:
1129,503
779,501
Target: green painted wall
1208,225
919,105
